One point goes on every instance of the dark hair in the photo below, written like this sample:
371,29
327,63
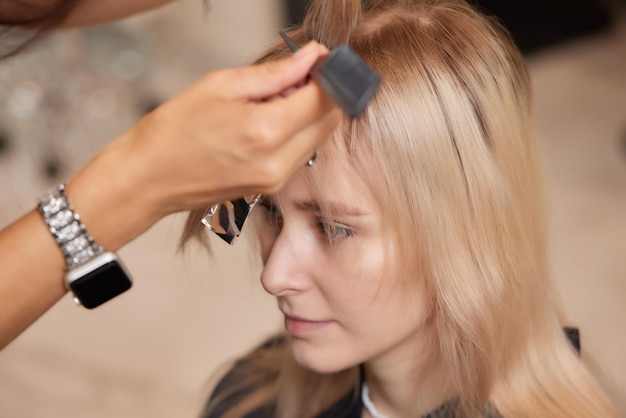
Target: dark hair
25,21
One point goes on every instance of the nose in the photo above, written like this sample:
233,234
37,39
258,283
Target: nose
285,272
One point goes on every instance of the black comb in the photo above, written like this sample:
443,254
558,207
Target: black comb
344,76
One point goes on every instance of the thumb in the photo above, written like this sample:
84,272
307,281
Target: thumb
271,78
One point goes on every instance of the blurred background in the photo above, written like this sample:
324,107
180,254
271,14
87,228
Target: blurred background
153,351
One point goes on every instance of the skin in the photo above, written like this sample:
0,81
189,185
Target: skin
231,134
83,12
343,303
96,12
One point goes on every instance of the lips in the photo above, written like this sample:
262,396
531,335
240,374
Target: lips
299,326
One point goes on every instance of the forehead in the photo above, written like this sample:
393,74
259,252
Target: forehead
332,182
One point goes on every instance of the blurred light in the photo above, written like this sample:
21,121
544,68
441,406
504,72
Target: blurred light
24,99
128,65
101,104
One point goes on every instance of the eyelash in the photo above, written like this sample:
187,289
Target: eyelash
334,232
331,231
271,212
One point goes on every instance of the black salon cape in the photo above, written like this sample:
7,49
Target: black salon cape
345,408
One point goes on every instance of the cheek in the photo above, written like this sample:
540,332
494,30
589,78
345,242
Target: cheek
353,280
374,298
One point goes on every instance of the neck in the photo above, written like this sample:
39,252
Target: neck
409,381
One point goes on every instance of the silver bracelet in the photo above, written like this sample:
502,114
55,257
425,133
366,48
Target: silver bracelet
67,229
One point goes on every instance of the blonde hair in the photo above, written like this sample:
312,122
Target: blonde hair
448,148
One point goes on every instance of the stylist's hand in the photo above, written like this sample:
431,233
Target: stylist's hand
221,139
231,134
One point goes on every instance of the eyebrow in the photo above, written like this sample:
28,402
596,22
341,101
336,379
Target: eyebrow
333,208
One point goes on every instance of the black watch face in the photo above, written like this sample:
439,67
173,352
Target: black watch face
101,284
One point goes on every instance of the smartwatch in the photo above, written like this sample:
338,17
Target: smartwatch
93,274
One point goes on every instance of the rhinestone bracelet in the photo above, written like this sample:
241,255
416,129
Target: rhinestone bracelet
66,228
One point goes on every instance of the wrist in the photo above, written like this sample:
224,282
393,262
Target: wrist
112,201
171,166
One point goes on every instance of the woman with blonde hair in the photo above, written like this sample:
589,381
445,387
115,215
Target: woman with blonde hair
410,261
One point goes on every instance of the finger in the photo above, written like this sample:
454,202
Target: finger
287,92
270,78
300,148
289,115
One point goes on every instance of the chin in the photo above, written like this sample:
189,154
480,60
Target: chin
319,360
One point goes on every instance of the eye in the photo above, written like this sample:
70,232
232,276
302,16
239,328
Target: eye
334,231
272,213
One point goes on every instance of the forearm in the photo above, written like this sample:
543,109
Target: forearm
32,266
95,12
32,274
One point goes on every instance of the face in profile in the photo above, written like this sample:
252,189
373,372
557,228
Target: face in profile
329,261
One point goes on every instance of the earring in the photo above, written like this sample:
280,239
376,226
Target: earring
312,159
